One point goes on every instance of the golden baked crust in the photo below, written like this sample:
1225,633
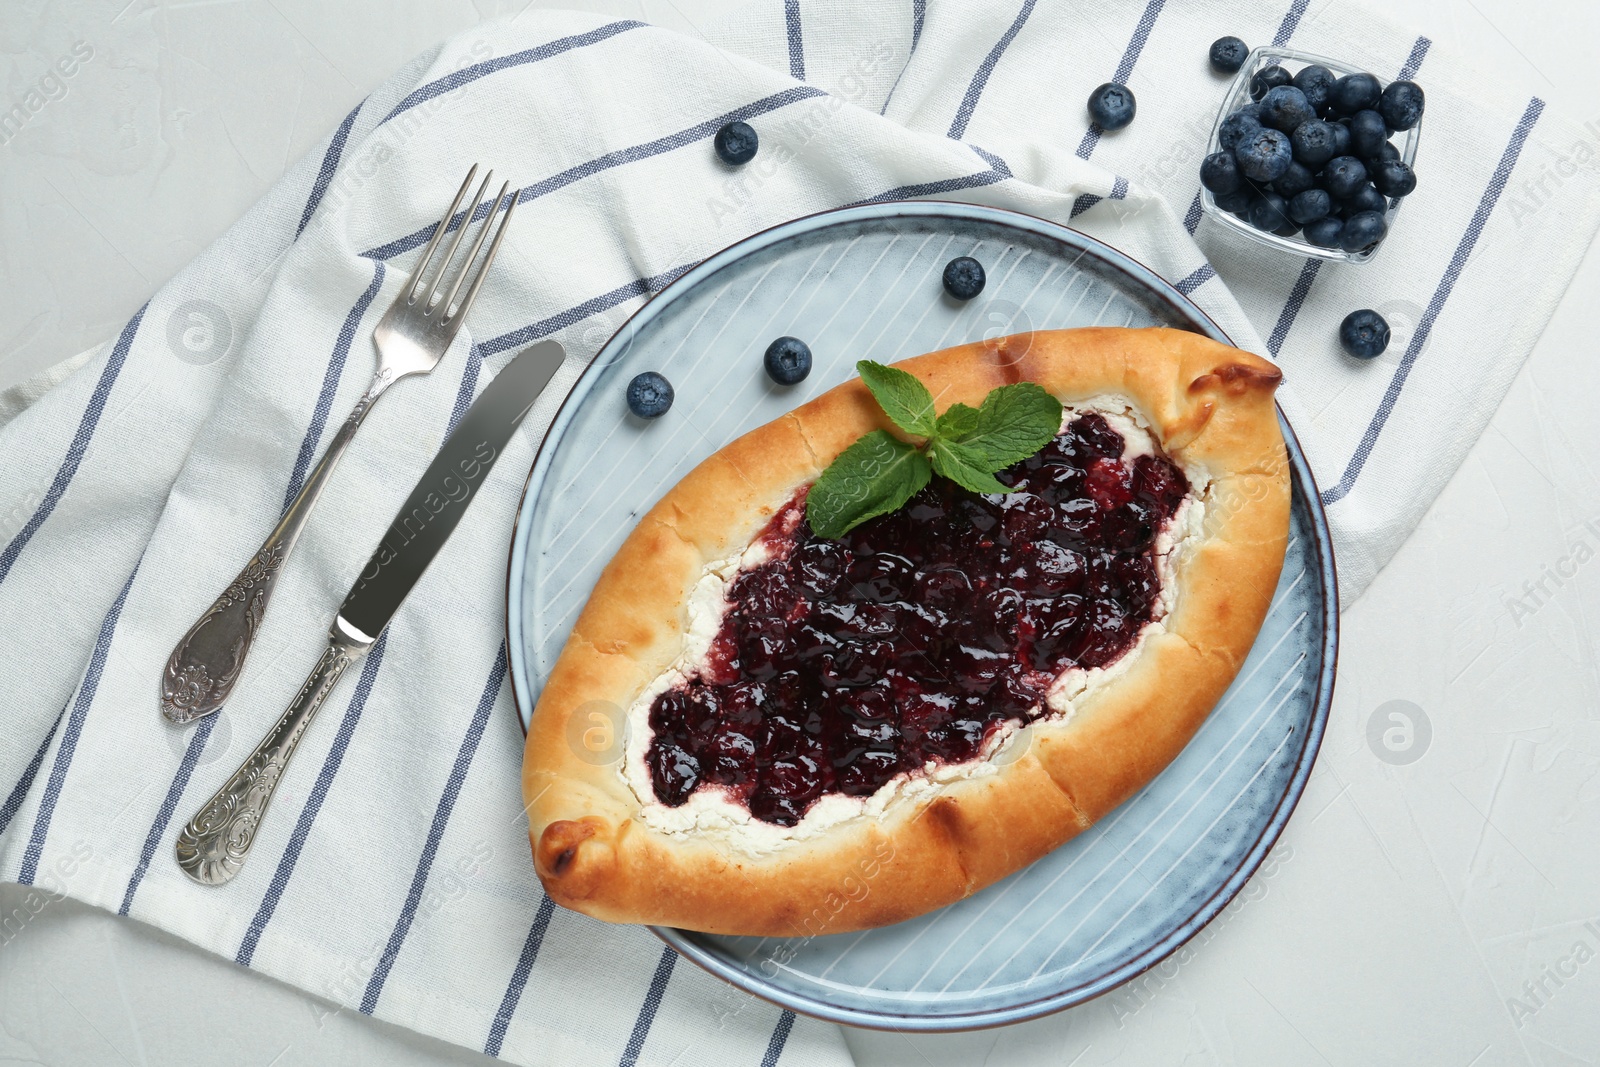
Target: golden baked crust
1211,408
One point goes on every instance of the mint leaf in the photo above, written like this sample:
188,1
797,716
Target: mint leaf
1014,422
957,421
905,400
872,477
964,465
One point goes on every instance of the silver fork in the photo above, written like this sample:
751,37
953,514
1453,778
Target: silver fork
411,338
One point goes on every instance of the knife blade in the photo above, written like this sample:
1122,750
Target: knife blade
430,514
212,848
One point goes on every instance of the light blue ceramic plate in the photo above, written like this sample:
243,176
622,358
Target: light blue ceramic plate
863,283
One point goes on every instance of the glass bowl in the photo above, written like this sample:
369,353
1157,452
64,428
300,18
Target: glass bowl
1238,96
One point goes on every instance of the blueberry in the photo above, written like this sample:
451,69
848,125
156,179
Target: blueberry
788,360
963,277
1267,79
1362,231
1389,151
1364,334
1365,198
1315,143
1228,54
1316,81
1236,201
1354,92
1368,134
1394,178
1238,125
1324,233
649,395
1269,211
1111,106
1285,108
1219,172
1309,206
1341,139
1265,155
1401,105
736,143
1343,176
1294,181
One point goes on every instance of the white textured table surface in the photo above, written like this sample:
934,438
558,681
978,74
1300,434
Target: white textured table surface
1441,911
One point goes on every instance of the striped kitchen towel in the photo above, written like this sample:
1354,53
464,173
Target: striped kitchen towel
393,877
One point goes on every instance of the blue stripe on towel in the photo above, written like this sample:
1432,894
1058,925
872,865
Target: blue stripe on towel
698,132
1194,281
1447,284
969,102
1291,22
519,977
308,814
180,782
330,163
80,444
647,1010
330,385
919,13
19,792
69,737
780,1037
461,77
441,819
797,50
1130,56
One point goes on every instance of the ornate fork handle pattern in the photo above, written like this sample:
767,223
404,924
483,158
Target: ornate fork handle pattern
203,669
213,846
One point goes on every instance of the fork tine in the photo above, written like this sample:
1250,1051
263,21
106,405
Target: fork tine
455,245
438,232
472,256
488,259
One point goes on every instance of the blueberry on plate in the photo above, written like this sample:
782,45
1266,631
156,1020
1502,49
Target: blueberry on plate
1235,202
649,395
1394,178
736,143
1324,233
1309,206
963,277
1341,138
1228,55
1354,92
1343,176
1364,334
1267,79
1315,143
1111,106
1294,181
1368,134
788,360
1365,198
1362,231
1265,155
1401,105
1238,125
1219,172
1316,81
1269,211
1285,108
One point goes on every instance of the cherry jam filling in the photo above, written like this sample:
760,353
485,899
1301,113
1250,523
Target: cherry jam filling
840,664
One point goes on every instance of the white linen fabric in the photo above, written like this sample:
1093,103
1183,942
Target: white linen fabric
392,876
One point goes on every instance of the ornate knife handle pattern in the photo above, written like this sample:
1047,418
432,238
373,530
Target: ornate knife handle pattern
203,668
213,847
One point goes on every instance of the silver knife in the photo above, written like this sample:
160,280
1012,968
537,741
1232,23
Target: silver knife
212,847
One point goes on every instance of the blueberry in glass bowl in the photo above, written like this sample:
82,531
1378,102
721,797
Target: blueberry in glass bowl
1346,133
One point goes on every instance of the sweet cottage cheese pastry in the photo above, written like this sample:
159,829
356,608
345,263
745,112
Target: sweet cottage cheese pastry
832,734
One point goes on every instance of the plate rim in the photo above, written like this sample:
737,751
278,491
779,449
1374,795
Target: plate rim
1159,950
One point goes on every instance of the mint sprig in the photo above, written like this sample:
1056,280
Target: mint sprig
879,472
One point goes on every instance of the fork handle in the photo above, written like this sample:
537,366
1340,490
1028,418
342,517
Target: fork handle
203,669
213,846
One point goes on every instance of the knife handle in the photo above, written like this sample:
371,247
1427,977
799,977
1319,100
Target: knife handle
213,847
202,670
